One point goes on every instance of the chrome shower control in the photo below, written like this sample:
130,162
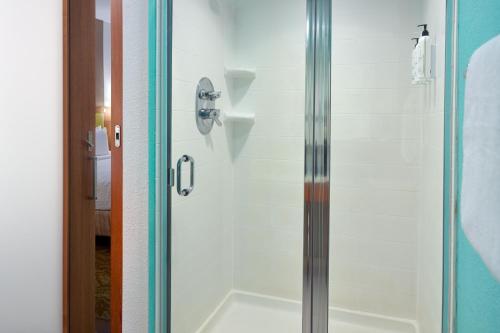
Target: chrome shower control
206,113
211,95
210,114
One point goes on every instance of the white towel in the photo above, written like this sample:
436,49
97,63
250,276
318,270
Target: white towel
480,202
421,61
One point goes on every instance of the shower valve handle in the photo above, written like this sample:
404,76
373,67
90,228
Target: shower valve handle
210,95
211,114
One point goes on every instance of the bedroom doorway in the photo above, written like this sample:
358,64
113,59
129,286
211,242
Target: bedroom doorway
92,280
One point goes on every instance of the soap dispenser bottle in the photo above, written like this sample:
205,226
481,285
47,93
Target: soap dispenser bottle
422,58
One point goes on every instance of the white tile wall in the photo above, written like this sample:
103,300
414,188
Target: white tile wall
269,157
376,158
430,260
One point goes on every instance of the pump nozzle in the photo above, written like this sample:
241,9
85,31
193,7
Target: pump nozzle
425,32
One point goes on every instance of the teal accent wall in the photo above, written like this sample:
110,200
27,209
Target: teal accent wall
478,293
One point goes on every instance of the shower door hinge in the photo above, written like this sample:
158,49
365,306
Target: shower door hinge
171,177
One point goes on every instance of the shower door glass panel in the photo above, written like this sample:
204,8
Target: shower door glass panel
387,169
237,237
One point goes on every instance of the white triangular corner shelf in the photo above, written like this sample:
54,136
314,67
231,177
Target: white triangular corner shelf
240,73
239,117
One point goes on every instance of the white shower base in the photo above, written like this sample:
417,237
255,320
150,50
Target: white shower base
243,312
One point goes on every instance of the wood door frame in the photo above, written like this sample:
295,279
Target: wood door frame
116,166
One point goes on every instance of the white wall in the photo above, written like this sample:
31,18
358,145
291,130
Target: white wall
430,261
135,162
376,133
31,166
269,156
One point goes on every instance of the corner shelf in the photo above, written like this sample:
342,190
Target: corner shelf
239,117
240,73
239,77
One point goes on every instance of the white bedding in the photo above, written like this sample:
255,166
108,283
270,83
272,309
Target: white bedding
103,182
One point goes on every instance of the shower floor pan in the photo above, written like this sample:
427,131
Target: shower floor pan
243,312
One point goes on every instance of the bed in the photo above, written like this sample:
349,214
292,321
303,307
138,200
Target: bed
103,184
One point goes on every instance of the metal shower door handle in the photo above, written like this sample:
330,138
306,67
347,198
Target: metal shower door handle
185,191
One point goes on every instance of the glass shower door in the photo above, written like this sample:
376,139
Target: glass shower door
237,146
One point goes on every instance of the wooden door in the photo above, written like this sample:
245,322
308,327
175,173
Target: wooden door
81,191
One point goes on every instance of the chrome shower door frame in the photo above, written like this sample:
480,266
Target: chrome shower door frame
317,167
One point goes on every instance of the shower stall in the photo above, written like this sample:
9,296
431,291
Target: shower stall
299,170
